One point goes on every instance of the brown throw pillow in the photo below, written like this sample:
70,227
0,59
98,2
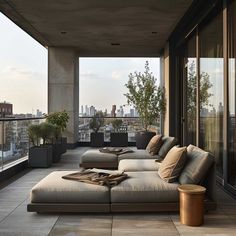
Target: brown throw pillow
154,145
171,166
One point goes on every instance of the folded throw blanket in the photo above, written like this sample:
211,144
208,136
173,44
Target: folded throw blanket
98,177
114,150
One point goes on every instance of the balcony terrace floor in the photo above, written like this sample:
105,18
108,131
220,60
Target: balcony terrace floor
15,220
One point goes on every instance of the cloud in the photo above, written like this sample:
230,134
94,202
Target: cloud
15,73
116,75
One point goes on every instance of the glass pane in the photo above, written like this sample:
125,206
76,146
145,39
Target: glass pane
190,74
211,89
232,104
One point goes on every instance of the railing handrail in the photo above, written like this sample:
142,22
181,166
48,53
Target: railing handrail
19,119
109,117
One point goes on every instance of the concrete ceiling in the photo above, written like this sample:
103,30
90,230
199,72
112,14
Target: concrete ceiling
139,27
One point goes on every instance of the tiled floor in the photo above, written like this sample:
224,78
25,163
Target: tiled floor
15,220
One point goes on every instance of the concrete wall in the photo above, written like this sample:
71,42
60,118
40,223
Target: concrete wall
63,86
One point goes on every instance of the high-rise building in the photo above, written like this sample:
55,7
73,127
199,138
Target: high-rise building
6,109
39,113
132,112
120,112
113,111
92,111
86,110
82,110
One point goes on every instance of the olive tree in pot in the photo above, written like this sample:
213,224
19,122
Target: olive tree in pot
148,100
119,137
60,119
96,122
40,153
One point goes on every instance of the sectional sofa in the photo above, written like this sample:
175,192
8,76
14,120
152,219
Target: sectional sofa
143,191
95,159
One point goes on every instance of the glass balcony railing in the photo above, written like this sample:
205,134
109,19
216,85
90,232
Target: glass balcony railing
14,140
131,125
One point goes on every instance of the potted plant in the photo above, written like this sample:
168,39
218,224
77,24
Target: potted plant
40,154
148,100
96,122
119,136
60,119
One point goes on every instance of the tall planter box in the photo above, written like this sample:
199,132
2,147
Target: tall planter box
64,144
119,139
40,157
97,139
143,138
57,149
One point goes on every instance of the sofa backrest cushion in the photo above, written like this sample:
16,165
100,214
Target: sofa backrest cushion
197,165
167,144
172,165
154,144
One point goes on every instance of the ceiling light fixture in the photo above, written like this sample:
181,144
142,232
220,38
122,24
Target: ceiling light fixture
63,32
154,32
115,44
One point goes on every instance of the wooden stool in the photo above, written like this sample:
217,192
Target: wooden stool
191,204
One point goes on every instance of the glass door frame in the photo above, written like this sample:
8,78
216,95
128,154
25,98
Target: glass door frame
224,179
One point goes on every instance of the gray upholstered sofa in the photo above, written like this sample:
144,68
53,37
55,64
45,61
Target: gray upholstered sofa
93,158
144,190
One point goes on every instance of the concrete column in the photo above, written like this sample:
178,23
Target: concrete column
166,76
63,87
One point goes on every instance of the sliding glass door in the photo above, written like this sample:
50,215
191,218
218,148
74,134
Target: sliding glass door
211,89
232,96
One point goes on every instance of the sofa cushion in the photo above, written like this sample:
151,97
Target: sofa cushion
167,144
144,187
138,165
154,144
171,166
54,189
94,155
197,165
137,154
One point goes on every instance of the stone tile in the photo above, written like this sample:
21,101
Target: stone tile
22,221
143,224
83,225
75,231
214,224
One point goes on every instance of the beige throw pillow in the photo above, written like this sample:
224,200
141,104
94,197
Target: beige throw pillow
171,166
154,145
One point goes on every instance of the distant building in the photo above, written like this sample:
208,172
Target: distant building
6,109
82,110
86,110
113,111
92,111
120,112
39,113
132,112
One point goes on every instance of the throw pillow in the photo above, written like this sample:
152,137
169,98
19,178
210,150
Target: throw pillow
198,163
172,165
167,144
154,145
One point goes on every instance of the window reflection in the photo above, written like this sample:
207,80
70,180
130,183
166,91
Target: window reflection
211,89
191,89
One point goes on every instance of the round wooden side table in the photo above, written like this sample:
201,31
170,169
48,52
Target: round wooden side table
191,204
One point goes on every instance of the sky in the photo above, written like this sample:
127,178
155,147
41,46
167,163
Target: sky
23,73
23,69
105,79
